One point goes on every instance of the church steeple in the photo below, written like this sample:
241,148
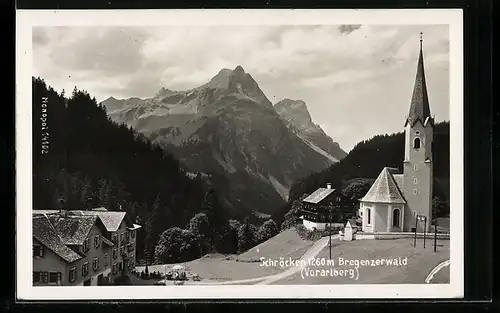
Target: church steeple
419,108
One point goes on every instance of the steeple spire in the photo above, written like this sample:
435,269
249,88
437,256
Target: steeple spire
419,108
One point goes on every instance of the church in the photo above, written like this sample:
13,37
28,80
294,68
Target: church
394,200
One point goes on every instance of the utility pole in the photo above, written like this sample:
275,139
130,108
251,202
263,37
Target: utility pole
416,223
435,229
330,233
425,228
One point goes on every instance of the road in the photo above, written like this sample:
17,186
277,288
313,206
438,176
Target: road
266,280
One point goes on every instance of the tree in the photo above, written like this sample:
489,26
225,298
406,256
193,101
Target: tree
199,225
213,209
354,190
229,239
292,218
152,224
176,245
268,230
246,235
439,207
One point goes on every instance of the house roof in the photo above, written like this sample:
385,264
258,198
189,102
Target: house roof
46,234
399,179
318,195
385,189
134,227
352,222
419,107
72,229
107,241
111,219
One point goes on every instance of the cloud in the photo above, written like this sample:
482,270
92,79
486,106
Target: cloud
367,71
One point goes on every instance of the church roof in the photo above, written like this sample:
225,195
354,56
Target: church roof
386,188
419,107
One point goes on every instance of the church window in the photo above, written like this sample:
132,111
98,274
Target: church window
415,167
415,181
368,216
395,218
415,191
417,132
416,143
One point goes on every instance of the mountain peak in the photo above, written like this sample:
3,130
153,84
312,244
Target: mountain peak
293,109
239,69
163,92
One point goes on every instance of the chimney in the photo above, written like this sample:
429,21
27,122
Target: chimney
61,206
89,203
328,186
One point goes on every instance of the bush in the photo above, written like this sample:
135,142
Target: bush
315,234
123,280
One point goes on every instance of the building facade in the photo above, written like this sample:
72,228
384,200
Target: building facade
321,208
79,248
395,200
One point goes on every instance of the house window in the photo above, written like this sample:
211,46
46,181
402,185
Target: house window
132,234
395,218
416,143
95,264
55,278
96,241
38,251
415,181
121,265
86,245
121,250
114,253
114,238
114,268
85,269
45,277
72,274
38,277
368,216
122,236
105,259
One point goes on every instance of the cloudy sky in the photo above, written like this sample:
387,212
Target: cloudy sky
357,80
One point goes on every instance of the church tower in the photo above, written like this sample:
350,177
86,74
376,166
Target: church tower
419,132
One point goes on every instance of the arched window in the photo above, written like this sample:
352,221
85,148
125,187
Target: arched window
395,218
416,143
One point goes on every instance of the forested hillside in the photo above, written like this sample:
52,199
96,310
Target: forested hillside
91,161
84,159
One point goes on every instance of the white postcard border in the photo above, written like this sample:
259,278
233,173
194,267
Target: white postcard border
26,19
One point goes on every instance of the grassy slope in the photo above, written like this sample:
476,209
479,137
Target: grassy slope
247,265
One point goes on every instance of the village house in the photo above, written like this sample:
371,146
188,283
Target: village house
395,200
81,247
321,208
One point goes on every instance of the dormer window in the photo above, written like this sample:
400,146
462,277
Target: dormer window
416,143
37,251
